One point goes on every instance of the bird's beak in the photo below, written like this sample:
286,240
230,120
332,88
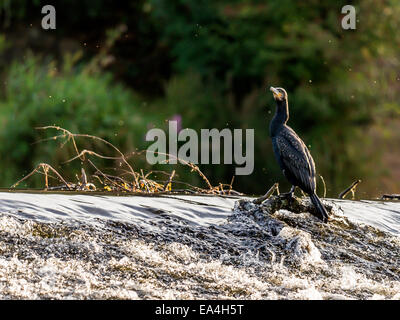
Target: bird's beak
276,93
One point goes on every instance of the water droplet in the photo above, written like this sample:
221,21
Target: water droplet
63,100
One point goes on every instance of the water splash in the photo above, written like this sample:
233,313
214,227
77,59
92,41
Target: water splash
187,247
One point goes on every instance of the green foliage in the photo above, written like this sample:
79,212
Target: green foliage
335,78
39,94
215,59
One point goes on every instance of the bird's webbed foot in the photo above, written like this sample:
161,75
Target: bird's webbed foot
289,194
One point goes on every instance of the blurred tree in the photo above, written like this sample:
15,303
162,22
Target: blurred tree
40,94
335,77
210,62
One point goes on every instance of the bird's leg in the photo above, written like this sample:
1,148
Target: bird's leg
290,193
289,196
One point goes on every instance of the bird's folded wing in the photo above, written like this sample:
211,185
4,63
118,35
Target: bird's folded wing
296,158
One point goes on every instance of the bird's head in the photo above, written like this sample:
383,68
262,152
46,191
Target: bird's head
279,93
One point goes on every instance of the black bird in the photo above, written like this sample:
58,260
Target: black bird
292,154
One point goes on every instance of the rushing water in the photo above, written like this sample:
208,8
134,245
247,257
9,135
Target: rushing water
74,246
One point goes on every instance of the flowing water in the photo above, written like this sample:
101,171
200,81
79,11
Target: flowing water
80,246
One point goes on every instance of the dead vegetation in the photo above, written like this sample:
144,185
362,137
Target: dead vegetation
352,188
133,180
127,180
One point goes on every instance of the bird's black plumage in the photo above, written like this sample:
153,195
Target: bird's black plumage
292,154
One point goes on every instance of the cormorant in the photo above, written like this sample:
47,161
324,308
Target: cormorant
292,154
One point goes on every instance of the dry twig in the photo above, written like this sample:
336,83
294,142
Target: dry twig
351,188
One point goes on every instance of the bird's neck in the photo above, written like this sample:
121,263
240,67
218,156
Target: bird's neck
281,114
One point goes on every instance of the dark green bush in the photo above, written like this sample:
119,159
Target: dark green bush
215,59
39,94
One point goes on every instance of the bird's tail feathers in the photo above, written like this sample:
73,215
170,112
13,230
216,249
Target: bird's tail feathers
322,213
